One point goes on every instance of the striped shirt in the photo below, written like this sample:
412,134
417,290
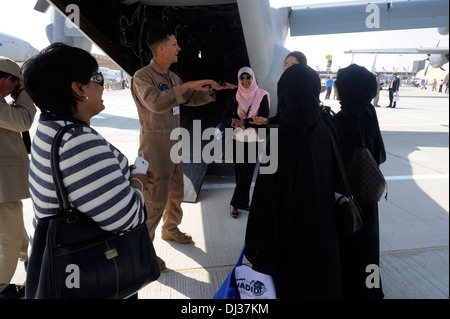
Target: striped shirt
95,174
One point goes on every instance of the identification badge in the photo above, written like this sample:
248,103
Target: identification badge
176,110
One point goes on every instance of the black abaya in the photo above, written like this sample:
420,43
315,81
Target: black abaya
356,88
291,231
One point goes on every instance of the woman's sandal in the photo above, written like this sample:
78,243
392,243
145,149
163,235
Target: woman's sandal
234,214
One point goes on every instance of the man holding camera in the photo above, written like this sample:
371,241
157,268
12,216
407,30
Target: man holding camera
15,117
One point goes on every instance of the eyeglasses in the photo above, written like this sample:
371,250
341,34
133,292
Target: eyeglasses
98,78
287,66
245,77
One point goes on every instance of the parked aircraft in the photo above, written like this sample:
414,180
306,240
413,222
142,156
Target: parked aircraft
16,49
111,75
217,37
437,57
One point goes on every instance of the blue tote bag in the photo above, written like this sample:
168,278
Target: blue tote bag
245,283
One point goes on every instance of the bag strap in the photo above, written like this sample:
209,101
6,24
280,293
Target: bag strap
241,257
362,135
61,192
337,154
341,167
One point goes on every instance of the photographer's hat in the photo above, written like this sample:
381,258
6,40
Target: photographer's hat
9,66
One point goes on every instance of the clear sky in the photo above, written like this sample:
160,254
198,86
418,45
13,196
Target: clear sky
18,18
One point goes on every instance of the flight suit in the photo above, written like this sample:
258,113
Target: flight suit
158,96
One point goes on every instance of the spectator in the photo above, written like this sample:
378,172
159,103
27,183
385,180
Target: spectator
329,88
244,104
15,117
96,175
355,88
379,87
291,231
393,88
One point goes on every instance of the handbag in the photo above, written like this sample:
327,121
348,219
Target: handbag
26,141
73,258
245,283
364,175
348,212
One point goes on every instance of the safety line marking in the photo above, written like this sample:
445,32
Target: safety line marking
387,178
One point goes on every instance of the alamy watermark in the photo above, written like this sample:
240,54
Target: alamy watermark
373,19
73,17
373,279
73,279
213,151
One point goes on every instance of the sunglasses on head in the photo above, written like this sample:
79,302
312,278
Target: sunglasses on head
98,78
245,77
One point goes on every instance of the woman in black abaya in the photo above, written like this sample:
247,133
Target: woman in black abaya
291,231
355,88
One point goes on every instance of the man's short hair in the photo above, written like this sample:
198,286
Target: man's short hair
5,75
156,36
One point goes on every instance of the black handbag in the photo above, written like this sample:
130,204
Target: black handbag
26,141
364,175
348,212
73,258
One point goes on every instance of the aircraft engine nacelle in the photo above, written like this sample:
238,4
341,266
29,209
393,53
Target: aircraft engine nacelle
443,30
438,60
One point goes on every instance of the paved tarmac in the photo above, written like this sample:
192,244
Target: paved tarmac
414,221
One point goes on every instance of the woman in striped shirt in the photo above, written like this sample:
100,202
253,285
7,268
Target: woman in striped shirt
64,83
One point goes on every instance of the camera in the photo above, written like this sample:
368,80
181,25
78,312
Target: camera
15,93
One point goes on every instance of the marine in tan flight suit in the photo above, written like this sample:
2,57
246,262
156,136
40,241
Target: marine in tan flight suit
158,93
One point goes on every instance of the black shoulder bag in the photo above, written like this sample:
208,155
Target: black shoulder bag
73,258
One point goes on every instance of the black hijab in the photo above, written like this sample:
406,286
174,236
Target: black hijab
356,88
298,99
